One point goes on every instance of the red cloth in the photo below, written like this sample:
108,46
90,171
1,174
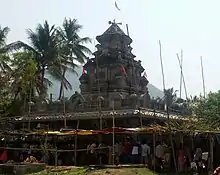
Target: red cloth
127,148
84,71
123,69
181,156
4,156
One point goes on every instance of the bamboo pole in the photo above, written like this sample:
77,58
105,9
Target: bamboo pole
181,75
167,109
141,119
183,79
75,144
203,80
29,108
64,107
113,135
211,151
56,156
154,145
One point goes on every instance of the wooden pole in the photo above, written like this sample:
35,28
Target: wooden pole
29,108
113,135
64,106
211,140
99,96
181,75
141,119
154,145
161,64
181,69
203,80
75,144
56,156
167,110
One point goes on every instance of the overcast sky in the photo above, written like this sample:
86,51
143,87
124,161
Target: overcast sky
191,25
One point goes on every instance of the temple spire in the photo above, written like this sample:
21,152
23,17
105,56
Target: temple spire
113,22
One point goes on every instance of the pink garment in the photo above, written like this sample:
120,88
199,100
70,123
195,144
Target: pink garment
181,161
181,156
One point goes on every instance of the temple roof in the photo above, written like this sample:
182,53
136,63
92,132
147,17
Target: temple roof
148,113
114,30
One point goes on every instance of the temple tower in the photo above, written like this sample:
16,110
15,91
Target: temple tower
113,74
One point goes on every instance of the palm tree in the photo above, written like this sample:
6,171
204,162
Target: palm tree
4,59
3,35
170,96
72,51
44,47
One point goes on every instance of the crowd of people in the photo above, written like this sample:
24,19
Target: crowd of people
126,151
159,158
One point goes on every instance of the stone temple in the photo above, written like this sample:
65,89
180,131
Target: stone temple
113,76
113,83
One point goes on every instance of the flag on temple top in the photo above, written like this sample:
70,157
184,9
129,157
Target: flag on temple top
84,71
145,74
116,5
123,69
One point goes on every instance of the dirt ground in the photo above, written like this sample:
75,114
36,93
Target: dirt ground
86,171
122,171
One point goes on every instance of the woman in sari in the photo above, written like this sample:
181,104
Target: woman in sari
181,159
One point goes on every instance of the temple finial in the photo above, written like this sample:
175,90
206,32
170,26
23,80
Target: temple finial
113,22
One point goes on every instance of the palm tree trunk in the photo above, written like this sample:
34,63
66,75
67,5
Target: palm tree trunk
42,82
41,90
61,90
62,85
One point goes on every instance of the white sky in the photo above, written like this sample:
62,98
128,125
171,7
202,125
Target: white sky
191,25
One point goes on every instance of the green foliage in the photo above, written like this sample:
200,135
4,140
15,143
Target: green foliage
52,50
18,83
170,96
3,35
25,71
207,110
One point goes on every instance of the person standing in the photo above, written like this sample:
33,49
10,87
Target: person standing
181,159
198,159
145,152
159,153
135,153
118,152
127,149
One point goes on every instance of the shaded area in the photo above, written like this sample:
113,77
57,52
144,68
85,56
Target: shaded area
109,171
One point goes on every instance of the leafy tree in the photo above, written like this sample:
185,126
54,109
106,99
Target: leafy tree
20,85
51,50
170,96
44,47
4,58
24,73
207,110
4,74
5,93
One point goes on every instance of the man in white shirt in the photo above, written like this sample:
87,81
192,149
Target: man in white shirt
145,152
135,153
118,151
159,154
